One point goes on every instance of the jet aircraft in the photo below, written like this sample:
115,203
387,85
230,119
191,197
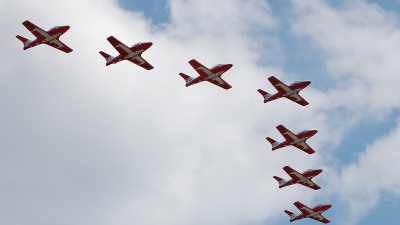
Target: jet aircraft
300,178
212,75
297,140
290,92
50,37
133,54
306,212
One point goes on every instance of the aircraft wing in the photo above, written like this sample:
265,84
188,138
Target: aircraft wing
298,99
202,70
220,82
141,62
286,133
310,184
304,209
59,45
304,147
35,30
279,85
296,176
320,218
119,46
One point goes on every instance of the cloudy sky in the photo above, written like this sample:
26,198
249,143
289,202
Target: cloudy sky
86,144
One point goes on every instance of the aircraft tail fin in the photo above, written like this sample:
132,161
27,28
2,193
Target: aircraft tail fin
187,78
265,94
24,40
291,215
280,181
273,142
106,56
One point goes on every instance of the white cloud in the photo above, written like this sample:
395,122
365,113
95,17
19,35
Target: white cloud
84,143
376,172
361,42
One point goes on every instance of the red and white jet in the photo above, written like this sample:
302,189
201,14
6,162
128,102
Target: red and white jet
299,178
50,37
133,54
306,212
297,140
290,92
212,75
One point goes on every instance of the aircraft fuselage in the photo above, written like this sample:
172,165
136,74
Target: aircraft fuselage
216,72
301,137
49,36
131,53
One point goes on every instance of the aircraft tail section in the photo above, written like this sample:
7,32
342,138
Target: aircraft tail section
280,181
187,78
23,40
106,56
273,142
265,94
291,215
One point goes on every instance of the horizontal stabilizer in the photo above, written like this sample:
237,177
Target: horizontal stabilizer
263,93
273,142
187,78
291,215
22,39
184,76
267,96
105,55
280,181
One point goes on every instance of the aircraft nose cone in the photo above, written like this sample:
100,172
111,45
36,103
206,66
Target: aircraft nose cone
65,28
148,44
227,66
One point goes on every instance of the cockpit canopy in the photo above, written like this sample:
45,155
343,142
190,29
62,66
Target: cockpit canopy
216,66
303,131
136,44
55,27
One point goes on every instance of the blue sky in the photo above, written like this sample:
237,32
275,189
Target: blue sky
306,60
155,9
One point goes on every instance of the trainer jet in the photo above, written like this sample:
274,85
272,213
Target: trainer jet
133,54
212,75
306,212
299,178
297,140
290,92
50,37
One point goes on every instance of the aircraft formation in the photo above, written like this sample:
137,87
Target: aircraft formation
212,75
298,140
